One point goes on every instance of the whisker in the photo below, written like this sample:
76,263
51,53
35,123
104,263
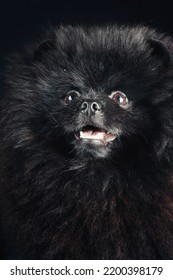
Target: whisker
50,114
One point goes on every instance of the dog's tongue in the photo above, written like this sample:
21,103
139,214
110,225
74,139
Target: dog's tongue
97,135
90,134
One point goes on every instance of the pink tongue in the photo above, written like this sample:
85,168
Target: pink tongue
92,134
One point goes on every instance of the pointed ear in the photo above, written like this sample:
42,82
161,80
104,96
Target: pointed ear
43,48
160,51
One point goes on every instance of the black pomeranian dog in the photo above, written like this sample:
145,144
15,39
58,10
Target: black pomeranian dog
86,154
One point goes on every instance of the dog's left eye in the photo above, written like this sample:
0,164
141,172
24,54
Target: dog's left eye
71,95
119,98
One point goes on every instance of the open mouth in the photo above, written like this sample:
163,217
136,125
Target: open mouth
94,134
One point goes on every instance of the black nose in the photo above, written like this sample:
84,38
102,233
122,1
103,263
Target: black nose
90,107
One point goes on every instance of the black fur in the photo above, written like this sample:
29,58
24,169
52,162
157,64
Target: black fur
62,198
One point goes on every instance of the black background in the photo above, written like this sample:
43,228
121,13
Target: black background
23,21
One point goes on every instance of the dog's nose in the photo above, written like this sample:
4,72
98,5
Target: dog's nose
90,107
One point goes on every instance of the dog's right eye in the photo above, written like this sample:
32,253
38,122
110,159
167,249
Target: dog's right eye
71,95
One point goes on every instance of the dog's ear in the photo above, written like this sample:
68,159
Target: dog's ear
160,51
45,47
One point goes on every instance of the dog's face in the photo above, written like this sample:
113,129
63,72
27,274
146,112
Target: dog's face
101,87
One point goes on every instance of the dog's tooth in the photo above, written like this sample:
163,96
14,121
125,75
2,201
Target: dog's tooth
81,134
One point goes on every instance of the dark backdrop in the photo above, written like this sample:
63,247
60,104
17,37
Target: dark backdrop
22,21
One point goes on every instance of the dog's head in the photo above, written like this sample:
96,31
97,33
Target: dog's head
98,88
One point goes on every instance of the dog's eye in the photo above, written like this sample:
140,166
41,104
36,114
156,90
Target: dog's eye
71,95
119,98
